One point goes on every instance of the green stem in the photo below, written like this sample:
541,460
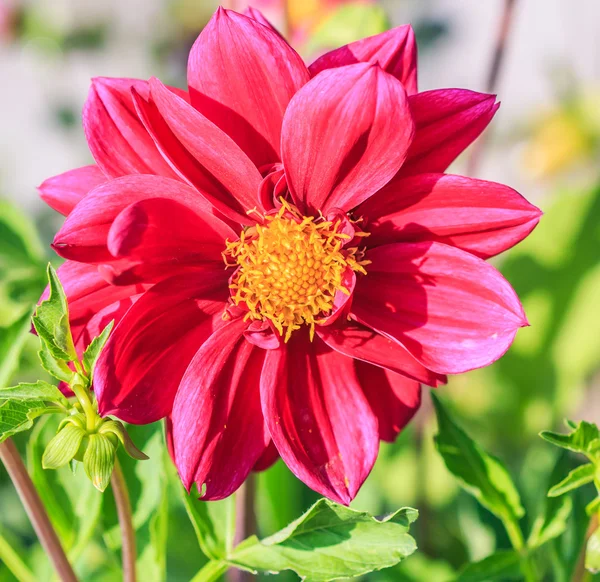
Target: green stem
211,571
245,522
125,522
82,394
518,543
13,562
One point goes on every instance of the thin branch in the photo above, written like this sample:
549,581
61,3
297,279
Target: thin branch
245,522
123,503
36,510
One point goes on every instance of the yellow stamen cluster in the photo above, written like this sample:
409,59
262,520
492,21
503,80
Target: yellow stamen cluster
290,269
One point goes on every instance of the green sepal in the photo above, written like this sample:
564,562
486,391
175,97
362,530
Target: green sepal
90,356
37,391
62,449
99,460
578,477
116,428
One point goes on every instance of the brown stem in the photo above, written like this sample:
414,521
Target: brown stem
245,522
36,511
581,574
493,74
125,522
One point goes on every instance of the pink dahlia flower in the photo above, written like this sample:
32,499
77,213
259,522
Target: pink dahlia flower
285,258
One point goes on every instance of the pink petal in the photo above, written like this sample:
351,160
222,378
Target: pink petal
218,429
116,137
318,417
345,134
269,457
481,217
451,310
257,15
83,236
242,76
64,191
200,152
394,398
447,121
147,354
395,51
361,343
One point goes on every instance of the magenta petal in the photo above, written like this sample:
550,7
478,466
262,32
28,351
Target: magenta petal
64,191
257,15
451,310
395,51
481,217
358,341
218,429
319,417
269,457
394,398
345,135
447,121
242,76
148,352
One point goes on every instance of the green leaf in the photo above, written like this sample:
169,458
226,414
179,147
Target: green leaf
99,460
593,507
576,478
503,565
19,242
51,321
56,368
12,340
37,391
592,552
211,571
579,440
90,356
552,523
63,447
481,474
331,541
116,427
18,416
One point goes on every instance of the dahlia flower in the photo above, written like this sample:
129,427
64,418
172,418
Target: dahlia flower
284,256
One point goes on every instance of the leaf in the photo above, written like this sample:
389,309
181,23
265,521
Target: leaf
211,571
99,460
593,506
92,352
12,340
503,565
88,508
579,440
576,478
481,474
592,552
39,390
331,541
18,416
552,523
56,368
62,449
19,242
51,321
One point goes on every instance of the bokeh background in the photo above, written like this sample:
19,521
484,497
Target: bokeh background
544,141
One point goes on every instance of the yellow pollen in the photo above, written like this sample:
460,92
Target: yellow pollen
290,269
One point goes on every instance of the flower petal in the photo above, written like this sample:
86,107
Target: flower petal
141,367
242,76
451,310
83,236
361,343
447,122
481,217
116,137
269,457
345,134
319,417
64,191
395,51
218,428
204,155
394,398
257,15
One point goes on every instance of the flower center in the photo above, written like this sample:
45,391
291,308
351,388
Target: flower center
290,269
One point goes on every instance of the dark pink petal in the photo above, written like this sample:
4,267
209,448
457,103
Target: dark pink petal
200,152
447,122
395,51
147,354
319,417
83,236
267,459
452,311
481,217
64,191
260,18
394,398
345,134
242,76
218,429
116,137
357,341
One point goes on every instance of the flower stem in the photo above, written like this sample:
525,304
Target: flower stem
516,539
36,511
125,522
245,522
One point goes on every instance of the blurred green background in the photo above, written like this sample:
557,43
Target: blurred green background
544,142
